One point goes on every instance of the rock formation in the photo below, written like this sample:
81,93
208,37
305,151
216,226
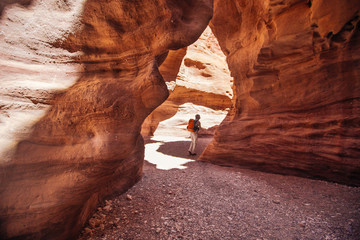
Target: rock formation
82,76
199,82
296,75
78,78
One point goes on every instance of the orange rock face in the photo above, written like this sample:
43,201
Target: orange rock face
87,145
199,82
296,71
78,78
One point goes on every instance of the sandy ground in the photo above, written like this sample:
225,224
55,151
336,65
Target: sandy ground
179,198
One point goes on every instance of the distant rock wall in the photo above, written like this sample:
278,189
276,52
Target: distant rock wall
196,75
296,89
78,78
169,70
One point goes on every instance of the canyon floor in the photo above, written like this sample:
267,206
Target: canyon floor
179,198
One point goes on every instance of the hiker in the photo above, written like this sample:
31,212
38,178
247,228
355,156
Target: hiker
194,127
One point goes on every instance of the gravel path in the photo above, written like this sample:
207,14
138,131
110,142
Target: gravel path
204,201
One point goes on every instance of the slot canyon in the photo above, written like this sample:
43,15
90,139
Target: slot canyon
84,82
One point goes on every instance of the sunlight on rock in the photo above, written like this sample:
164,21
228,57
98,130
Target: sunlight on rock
176,125
29,83
164,161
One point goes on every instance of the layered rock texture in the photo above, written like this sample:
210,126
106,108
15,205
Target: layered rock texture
297,87
78,79
199,82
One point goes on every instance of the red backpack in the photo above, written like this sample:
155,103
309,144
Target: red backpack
190,126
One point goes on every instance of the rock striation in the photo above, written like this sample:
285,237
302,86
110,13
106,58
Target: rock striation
296,87
199,81
79,79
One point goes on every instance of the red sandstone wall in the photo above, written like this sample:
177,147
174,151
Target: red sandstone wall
88,144
297,87
296,111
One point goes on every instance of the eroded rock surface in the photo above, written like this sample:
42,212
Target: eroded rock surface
79,77
199,82
87,71
297,87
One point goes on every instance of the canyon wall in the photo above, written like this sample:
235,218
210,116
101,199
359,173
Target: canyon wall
199,82
296,85
78,79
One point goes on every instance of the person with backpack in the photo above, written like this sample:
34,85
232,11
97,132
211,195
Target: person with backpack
194,127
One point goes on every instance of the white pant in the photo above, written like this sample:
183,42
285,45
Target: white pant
194,137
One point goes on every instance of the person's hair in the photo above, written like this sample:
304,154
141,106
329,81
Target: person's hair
197,116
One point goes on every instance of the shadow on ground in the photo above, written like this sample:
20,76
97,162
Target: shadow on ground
172,153
180,148
176,149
